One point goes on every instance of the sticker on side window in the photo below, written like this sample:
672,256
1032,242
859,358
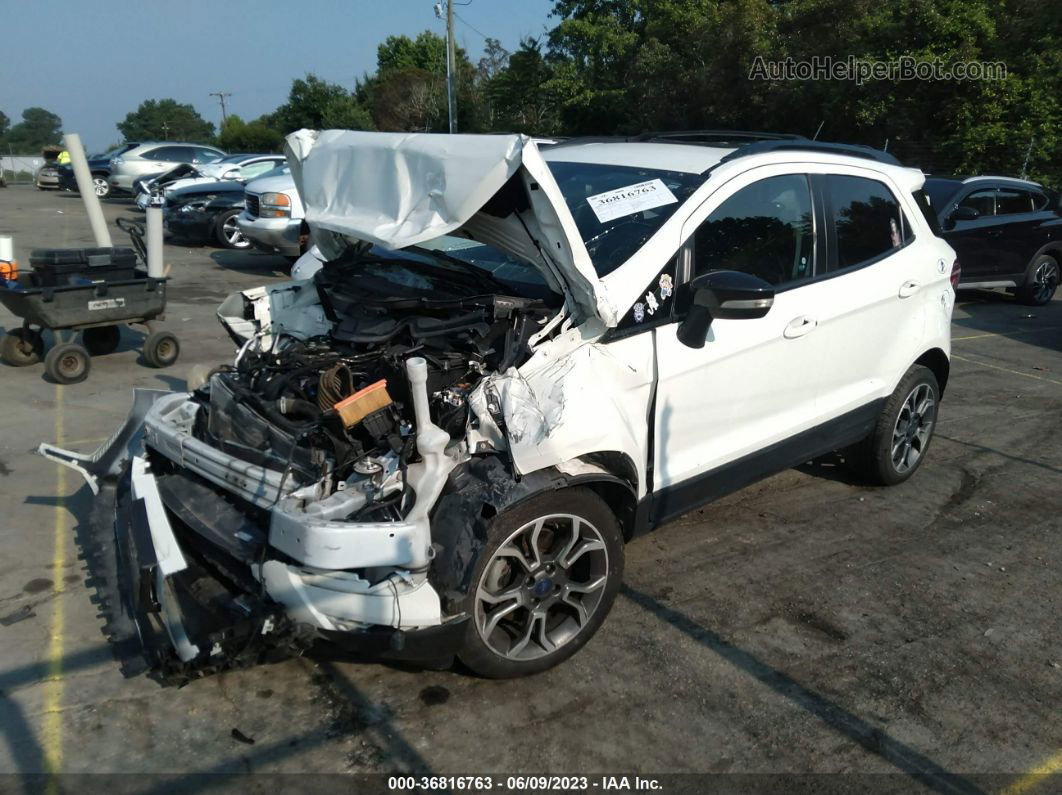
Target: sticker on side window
632,199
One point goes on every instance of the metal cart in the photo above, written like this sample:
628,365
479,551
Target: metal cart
96,311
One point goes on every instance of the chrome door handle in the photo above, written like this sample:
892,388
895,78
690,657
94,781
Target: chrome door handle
799,326
907,289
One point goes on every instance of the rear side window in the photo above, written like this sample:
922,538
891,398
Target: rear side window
984,201
1012,202
764,229
867,219
1040,201
171,153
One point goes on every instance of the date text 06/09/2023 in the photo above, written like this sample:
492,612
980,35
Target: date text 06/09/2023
532,783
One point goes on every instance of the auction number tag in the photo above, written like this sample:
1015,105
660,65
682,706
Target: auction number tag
106,303
631,199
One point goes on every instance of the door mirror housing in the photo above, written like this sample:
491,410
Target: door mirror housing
231,174
722,295
964,214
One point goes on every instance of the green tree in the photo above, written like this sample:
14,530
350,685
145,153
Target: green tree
38,128
317,104
256,136
408,91
167,120
521,94
5,123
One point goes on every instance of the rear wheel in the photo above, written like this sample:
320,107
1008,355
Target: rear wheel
101,340
21,347
161,348
1041,286
898,445
544,583
68,363
228,232
101,186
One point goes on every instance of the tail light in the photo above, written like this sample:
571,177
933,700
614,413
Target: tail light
956,272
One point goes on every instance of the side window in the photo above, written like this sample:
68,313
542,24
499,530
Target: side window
765,229
205,155
252,170
162,153
867,219
1040,201
983,201
1012,202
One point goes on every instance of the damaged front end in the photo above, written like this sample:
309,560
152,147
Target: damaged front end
288,501
332,486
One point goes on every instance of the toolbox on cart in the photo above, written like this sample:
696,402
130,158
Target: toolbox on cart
55,267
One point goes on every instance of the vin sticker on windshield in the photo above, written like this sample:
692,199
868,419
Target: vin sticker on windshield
632,199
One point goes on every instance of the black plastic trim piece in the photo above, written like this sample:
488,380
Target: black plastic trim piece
847,429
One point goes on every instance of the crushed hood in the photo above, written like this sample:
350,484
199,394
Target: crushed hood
401,189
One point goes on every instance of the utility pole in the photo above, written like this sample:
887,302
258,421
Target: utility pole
221,98
451,67
165,130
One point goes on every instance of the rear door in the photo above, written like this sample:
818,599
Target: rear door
873,310
1019,235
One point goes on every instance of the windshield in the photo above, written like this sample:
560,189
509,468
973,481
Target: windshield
442,267
618,208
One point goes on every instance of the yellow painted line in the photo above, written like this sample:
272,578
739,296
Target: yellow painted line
52,742
1007,333
1006,370
1035,776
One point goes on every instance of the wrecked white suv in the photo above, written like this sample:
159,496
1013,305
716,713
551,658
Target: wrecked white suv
517,357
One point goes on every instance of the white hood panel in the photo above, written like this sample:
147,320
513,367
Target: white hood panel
401,189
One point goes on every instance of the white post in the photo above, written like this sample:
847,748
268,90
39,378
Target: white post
154,242
72,142
7,248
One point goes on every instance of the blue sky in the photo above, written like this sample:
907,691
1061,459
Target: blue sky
93,62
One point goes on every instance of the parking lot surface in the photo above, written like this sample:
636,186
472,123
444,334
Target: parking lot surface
805,625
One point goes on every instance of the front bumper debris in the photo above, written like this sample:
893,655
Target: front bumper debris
194,585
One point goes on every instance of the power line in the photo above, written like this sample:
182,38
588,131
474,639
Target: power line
468,24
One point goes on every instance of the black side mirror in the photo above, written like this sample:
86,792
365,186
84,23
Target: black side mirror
723,295
964,214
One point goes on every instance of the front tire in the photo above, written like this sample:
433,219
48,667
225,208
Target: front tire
543,584
228,232
900,440
68,363
1042,283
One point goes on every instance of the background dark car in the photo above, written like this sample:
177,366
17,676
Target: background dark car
207,213
1007,233
99,167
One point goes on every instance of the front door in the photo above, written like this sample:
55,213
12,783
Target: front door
721,408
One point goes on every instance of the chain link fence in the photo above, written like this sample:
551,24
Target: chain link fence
19,169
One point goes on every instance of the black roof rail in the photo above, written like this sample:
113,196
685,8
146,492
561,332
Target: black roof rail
851,150
720,138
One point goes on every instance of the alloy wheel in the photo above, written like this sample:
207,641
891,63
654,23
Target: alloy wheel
914,426
100,186
232,233
1046,280
541,587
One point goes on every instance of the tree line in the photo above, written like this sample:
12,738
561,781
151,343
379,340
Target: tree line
624,67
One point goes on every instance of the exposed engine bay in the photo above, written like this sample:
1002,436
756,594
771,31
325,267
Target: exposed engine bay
334,410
